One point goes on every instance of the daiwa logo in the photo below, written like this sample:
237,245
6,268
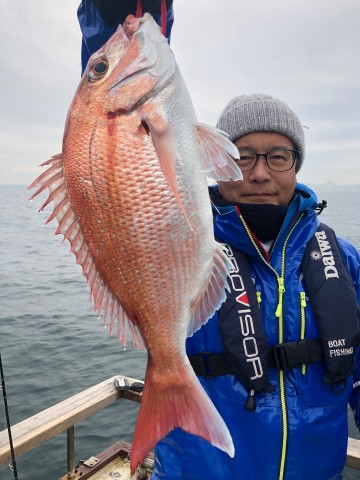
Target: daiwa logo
330,269
245,318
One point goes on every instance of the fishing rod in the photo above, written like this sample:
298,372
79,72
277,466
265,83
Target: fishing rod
13,461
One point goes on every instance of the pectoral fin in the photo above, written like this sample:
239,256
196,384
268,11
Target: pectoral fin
166,151
214,294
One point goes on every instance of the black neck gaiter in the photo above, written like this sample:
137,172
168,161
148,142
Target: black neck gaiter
264,220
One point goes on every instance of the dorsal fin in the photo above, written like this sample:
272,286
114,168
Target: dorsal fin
103,298
218,154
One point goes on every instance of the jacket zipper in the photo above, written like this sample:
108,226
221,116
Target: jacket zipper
303,324
279,313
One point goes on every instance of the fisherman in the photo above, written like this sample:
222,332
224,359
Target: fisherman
278,358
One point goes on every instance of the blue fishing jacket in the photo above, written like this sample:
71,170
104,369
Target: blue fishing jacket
301,434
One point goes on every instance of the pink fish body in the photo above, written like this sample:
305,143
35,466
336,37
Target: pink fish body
131,196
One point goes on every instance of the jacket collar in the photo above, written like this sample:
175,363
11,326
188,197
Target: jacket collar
229,228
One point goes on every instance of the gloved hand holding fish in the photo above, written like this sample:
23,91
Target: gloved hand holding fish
130,194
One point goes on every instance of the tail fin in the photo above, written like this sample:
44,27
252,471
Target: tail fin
177,400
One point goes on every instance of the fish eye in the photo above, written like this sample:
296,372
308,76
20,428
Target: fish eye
98,70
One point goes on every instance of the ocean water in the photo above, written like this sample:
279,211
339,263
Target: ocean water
52,344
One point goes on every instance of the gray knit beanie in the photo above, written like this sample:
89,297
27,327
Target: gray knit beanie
262,113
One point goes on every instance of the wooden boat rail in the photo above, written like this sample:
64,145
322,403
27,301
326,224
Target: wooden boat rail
41,427
38,429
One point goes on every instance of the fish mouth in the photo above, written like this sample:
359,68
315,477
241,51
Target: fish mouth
137,60
129,78
132,24
143,69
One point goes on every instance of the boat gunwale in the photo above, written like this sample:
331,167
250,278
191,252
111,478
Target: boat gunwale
41,427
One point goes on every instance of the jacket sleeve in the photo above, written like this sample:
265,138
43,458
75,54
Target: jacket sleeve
352,258
169,455
99,19
355,395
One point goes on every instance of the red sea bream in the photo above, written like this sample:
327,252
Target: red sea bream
130,195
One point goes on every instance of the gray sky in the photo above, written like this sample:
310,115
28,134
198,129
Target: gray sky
304,52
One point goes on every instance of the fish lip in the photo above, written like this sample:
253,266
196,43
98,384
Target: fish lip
128,78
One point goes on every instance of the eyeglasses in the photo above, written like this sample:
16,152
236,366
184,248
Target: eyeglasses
279,160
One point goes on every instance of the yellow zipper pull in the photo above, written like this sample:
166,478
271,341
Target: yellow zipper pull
258,296
302,299
281,290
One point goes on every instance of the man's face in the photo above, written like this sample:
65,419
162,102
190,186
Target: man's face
260,184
